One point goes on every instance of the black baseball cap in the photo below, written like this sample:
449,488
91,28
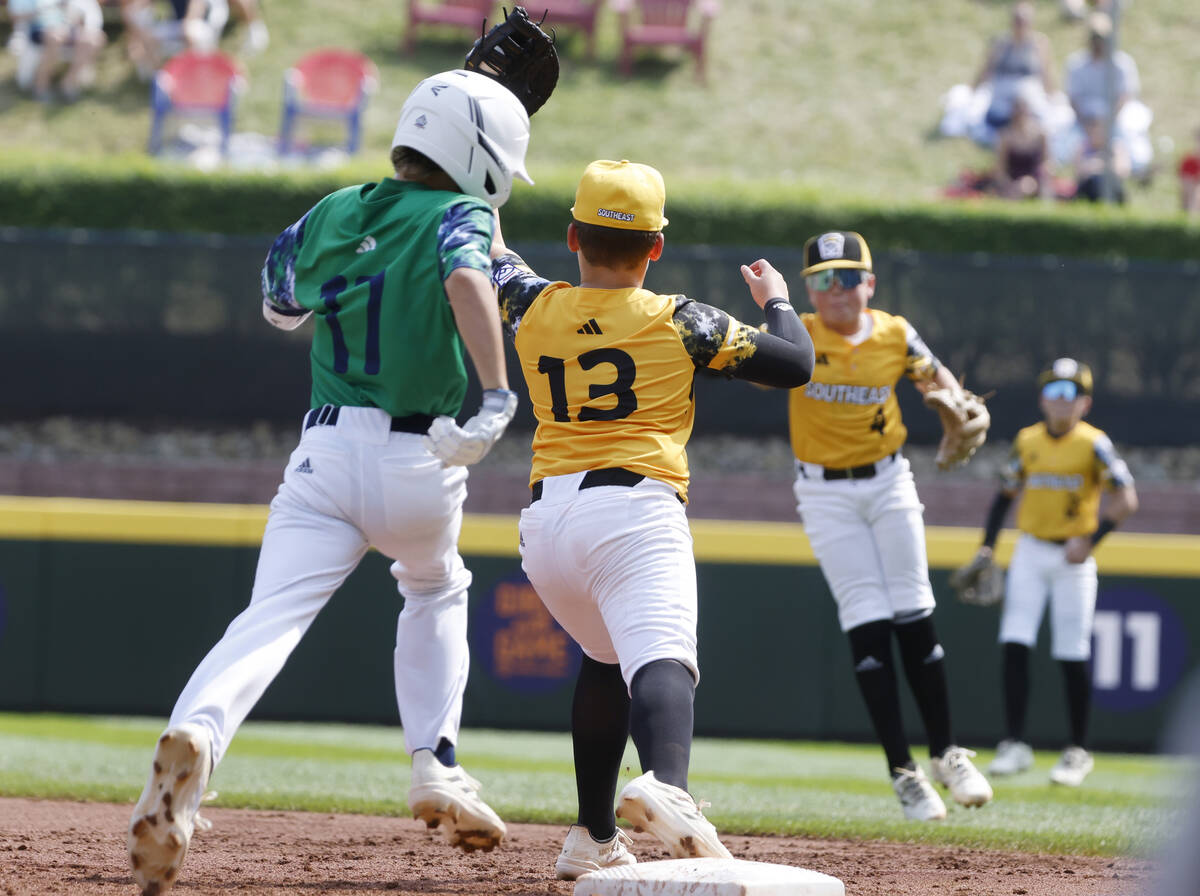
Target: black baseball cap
1068,370
836,249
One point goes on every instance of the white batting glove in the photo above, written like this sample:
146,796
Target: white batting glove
459,446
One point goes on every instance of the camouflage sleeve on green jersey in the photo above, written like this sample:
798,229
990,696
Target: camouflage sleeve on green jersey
465,238
279,271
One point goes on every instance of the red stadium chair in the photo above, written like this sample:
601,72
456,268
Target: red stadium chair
464,14
664,23
577,14
195,83
329,84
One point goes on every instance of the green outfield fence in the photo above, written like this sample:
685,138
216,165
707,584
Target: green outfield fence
145,326
107,606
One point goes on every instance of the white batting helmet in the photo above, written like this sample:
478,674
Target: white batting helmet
473,127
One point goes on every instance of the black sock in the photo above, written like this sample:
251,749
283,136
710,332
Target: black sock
1079,699
1016,689
925,669
599,729
445,753
660,719
871,650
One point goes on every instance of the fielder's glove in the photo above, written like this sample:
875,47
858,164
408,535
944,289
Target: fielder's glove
521,56
458,446
980,582
965,421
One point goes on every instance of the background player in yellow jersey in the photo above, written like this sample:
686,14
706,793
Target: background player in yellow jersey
859,506
1062,464
605,540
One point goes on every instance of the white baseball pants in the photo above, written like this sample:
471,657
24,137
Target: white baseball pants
1038,572
869,537
347,487
614,566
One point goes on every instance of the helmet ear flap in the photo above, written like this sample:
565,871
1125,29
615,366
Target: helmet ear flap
472,127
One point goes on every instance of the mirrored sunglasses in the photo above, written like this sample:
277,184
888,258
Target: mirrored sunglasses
823,280
1060,389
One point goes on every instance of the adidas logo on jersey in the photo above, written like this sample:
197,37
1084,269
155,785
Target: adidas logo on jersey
366,245
591,328
822,358
304,466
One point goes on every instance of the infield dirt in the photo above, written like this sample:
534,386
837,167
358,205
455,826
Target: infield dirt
53,847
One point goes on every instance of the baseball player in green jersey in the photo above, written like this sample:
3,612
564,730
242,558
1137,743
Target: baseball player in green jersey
605,540
396,276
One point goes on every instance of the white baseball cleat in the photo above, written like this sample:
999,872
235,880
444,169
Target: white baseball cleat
1012,756
447,797
918,799
166,815
1072,767
582,853
955,771
671,815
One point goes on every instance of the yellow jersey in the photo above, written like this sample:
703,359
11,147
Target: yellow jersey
609,371
1062,477
847,415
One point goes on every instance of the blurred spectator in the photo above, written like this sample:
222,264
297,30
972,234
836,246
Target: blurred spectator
1103,82
1022,155
1189,179
1020,61
1017,62
152,38
1090,164
1088,72
1080,9
257,36
54,32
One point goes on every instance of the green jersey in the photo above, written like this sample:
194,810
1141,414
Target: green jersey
370,262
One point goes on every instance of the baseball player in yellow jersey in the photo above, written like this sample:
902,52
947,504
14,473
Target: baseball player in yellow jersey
1061,464
605,540
859,506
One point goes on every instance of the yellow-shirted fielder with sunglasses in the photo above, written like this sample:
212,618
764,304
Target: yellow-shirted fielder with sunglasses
859,506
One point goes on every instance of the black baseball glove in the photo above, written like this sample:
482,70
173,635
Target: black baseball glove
521,56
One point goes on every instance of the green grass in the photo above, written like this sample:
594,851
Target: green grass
755,787
842,99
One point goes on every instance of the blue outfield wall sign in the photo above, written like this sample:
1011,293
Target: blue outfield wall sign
1139,649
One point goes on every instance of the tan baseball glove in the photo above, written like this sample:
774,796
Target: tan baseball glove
965,422
980,582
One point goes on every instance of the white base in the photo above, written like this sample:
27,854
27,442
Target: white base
707,877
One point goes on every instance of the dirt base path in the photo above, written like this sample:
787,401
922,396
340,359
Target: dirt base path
51,847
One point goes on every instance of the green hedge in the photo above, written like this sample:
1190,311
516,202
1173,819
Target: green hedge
135,192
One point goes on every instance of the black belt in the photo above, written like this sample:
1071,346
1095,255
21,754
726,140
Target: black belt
595,479
865,471
327,415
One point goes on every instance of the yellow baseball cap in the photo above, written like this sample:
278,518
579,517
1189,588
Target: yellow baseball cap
625,195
